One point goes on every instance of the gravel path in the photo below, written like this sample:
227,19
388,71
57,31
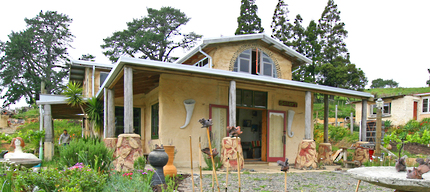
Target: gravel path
309,181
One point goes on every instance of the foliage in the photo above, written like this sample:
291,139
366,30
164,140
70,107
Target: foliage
35,55
380,83
412,132
73,92
137,180
152,37
281,28
87,57
386,92
248,22
170,184
208,161
341,73
32,113
139,163
335,134
90,150
343,110
95,112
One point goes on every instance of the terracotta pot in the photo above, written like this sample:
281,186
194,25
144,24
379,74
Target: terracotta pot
170,169
158,158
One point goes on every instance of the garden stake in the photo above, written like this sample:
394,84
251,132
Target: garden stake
285,181
238,161
191,157
200,165
226,177
212,159
358,184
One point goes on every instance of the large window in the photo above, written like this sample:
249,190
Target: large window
119,120
154,121
256,62
387,109
426,105
103,76
248,98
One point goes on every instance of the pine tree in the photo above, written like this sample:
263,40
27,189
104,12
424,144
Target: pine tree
333,33
281,27
248,22
297,42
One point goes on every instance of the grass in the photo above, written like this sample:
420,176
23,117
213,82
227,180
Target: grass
386,92
343,110
32,113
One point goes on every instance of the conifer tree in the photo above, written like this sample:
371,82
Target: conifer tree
281,27
248,22
333,33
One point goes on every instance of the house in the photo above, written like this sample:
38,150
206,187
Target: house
241,80
398,109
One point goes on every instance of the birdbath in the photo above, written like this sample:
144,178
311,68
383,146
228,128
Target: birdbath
390,178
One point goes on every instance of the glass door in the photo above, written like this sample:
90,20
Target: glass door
276,135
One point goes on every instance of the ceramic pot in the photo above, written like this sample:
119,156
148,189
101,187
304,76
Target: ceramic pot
170,169
158,159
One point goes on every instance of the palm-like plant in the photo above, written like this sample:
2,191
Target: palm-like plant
95,110
73,92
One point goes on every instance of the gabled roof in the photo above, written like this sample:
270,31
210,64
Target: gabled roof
166,67
301,59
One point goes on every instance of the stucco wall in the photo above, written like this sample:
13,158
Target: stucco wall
88,82
3,121
174,89
224,56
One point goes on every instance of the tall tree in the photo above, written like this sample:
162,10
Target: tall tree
37,54
281,27
341,73
381,83
248,22
87,57
152,37
333,33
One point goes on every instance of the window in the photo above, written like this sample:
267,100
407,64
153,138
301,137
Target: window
256,62
248,98
387,109
425,105
103,76
154,121
119,120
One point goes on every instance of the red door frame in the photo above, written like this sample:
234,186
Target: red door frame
415,110
210,115
274,159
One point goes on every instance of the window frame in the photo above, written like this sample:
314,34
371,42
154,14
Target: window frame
422,105
373,109
100,78
155,125
240,101
137,118
261,63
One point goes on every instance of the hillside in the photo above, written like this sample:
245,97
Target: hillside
386,92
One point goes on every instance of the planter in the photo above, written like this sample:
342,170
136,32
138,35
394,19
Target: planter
158,159
170,169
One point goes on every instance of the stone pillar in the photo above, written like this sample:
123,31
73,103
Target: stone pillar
232,104
128,100
363,120
230,147
308,115
110,140
49,133
128,149
326,104
306,155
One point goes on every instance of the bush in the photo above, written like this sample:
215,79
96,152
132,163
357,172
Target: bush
90,150
208,161
137,180
140,163
335,134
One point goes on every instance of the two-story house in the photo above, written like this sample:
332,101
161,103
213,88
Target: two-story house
240,80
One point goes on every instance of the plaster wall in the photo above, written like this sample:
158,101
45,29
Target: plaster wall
174,89
3,121
223,55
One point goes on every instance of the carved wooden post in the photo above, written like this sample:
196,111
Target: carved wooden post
326,118
128,100
363,119
232,104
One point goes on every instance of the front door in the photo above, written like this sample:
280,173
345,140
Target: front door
415,110
219,116
276,135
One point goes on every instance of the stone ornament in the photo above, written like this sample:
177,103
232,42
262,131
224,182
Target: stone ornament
230,147
128,149
324,154
307,155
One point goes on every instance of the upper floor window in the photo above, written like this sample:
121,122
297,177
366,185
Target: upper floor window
426,105
103,76
256,62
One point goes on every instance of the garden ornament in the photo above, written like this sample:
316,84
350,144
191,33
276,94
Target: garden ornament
400,164
234,131
189,108
206,124
414,174
285,166
206,151
19,157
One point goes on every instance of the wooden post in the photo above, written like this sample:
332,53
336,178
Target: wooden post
200,164
285,181
308,115
49,133
111,114
226,176
326,118
128,100
191,158
378,133
358,184
335,116
363,119
351,123
238,161
232,104
212,159
105,111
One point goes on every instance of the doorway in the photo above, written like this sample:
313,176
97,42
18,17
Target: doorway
252,123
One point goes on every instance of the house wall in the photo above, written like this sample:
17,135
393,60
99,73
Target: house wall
174,89
87,84
224,56
3,121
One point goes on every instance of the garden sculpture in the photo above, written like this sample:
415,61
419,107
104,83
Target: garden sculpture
206,151
19,157
400,164
206,124
285,166
234,131
414,174
159,147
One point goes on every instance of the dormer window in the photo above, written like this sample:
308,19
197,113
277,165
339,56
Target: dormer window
256,62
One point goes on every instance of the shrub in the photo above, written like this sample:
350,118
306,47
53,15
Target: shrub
90,150
140,163
208,161
137,180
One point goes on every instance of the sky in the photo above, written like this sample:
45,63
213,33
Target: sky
387,39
